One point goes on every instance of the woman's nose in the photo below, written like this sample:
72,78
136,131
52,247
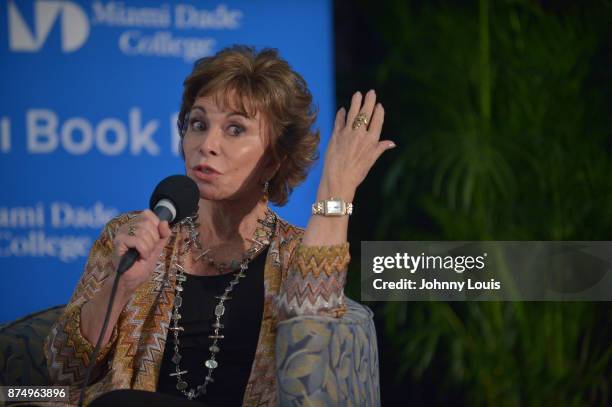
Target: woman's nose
210,141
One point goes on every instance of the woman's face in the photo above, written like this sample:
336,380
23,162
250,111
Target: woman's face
224,151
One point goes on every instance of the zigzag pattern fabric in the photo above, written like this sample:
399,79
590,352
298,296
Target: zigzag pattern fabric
314,284
297,279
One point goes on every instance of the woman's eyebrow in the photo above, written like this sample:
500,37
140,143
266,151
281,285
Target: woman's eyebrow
242,114
198,108
230,113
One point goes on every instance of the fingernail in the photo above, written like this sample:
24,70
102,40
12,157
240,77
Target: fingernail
392,145
357,93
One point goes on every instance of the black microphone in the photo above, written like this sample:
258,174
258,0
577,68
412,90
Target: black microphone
174,198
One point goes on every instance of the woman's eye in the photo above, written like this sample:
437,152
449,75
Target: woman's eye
235,130
197,125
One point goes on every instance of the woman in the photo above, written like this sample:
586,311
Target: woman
195,317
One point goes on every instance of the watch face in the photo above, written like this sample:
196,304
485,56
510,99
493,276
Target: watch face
333,207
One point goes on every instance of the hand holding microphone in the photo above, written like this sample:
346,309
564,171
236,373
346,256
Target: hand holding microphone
148,235
139,244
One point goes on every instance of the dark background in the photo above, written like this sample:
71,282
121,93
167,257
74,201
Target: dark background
501,111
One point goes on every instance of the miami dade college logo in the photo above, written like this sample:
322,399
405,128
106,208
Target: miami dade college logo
74,26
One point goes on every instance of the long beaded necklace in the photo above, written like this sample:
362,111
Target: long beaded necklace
262,237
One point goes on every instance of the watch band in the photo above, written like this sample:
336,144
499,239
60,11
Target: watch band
332,207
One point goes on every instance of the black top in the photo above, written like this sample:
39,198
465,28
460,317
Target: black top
242,320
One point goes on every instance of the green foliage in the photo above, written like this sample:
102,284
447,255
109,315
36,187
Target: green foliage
503,132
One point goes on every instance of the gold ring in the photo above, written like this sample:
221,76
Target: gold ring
360,120
132,230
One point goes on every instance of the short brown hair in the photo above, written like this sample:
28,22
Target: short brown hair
263,82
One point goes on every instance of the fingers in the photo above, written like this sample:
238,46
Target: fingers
340,119
368,105
143,247
164,229
378,117
149,215
354,109
144,235
146,229
164,233
381,147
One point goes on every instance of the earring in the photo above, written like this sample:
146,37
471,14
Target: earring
265,190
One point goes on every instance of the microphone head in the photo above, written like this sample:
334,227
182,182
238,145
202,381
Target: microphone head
181,191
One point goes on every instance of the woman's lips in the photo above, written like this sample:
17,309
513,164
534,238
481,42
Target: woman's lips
205,173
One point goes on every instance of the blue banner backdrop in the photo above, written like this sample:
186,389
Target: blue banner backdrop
90,94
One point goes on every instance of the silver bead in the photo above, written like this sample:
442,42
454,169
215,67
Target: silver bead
211,364
219,310
178,301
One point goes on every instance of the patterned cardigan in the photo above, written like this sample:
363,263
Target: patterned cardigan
298,280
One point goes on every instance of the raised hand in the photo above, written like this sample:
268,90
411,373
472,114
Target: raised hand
354,146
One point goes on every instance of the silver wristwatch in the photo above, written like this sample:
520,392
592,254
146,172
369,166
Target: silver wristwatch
332,207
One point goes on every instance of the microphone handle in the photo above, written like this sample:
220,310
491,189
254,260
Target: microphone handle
131,256
127,260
